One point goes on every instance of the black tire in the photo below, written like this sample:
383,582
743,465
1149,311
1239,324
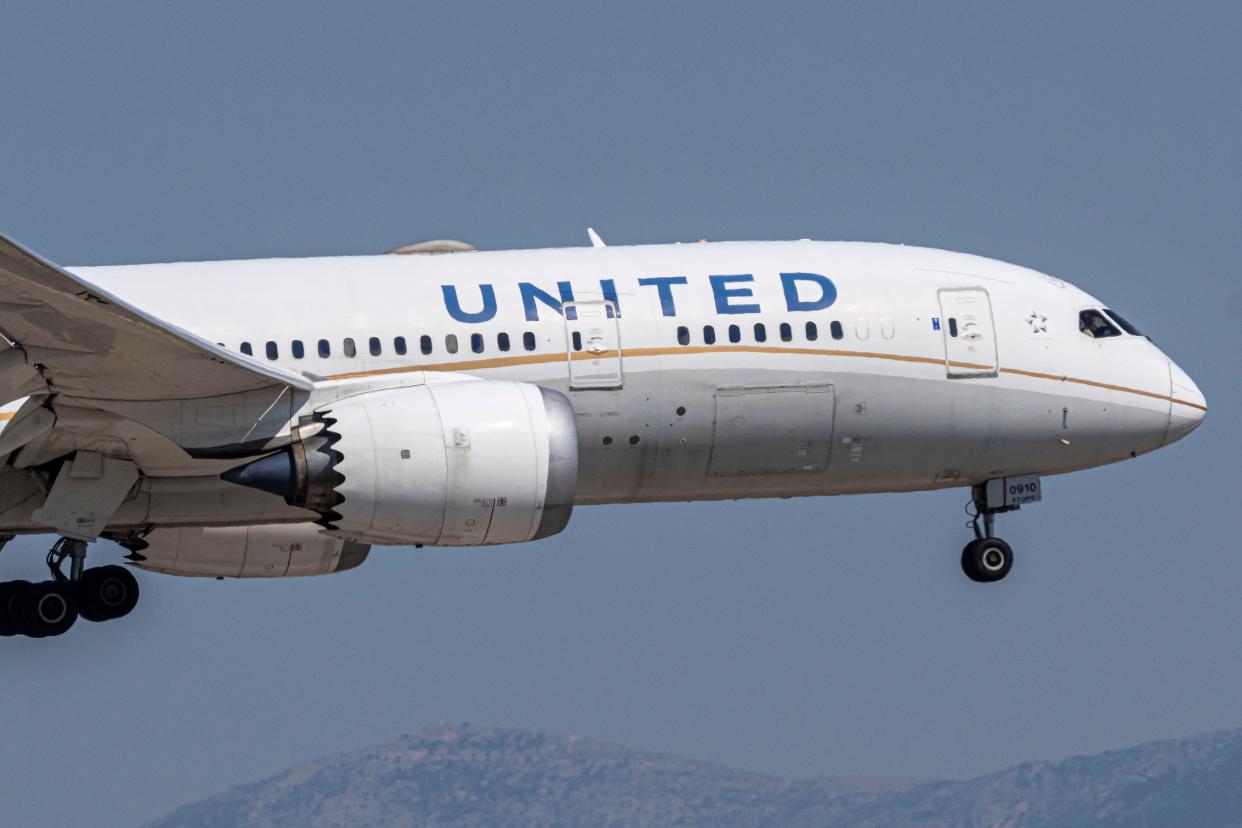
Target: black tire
45,609
8,591
987,560
107,592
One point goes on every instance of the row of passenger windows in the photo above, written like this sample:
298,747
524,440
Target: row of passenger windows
1091,322
375,346
478,344
784,331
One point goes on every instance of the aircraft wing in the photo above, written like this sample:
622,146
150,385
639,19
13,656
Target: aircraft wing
86,344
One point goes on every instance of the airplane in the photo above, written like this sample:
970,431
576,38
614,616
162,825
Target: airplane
279,417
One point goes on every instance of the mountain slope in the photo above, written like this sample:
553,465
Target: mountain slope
482,776
1195,781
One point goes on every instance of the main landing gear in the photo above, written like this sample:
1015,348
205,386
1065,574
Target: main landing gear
51,607
987,558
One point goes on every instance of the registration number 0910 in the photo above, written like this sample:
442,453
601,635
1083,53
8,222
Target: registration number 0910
1014,491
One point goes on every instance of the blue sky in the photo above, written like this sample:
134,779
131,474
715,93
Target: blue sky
1095,141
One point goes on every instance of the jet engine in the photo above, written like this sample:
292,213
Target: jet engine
461,463
273,551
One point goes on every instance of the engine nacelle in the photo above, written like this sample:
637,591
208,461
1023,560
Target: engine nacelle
446,464
273,551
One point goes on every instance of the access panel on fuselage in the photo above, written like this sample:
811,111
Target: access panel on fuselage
772,429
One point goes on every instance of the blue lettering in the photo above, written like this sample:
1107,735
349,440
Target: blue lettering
827,291
663,284
609,288
530,293
453,305
724,293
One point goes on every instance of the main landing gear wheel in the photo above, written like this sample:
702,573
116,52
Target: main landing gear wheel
44,609
9,591
987,559
106,593
51,607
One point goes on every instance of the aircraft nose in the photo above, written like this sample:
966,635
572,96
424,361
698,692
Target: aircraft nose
1189,406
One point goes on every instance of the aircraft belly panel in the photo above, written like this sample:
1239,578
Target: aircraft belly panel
773,429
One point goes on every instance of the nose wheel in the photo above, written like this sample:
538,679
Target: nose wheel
987,558
50,608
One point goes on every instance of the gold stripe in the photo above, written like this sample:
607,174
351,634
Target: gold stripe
7,415
542,359
1104,385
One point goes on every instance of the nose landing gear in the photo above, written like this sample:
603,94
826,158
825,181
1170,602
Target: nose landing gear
987,558
51,607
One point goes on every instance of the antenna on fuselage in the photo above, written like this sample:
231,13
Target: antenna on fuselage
596,241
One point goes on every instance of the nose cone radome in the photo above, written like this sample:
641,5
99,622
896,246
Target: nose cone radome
1189,406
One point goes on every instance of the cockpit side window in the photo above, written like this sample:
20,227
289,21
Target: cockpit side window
1125,324
1096,325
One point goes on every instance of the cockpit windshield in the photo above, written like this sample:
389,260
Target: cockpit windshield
1096,325
1126,325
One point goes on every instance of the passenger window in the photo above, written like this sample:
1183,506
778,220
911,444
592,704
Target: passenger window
398,345
272,351
862,328
837,331
709,335
528,341
246,349
325,349
502,341
577,338
735,333
761,333
450,343
786,332
1094,324
683,335
424,344
298,350
349,348
476,343
374,344
812,332
952,326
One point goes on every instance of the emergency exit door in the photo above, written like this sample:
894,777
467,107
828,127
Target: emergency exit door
593,344
969,333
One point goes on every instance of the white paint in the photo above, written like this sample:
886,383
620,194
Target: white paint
1048,399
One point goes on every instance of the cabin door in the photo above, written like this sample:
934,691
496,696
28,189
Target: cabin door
593,344
969,333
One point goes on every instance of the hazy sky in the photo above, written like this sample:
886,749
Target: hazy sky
1098,142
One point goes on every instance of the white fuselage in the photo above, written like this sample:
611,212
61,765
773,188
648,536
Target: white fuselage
720,377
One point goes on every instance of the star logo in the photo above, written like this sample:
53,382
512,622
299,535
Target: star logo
1038,322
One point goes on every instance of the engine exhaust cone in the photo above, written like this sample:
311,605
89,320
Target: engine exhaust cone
274,474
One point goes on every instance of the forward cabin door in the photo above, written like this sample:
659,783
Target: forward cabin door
593,342
969,332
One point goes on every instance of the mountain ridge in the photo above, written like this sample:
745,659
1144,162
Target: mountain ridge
470,775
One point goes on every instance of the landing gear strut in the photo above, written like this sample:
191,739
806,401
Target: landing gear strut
987,558
51,607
